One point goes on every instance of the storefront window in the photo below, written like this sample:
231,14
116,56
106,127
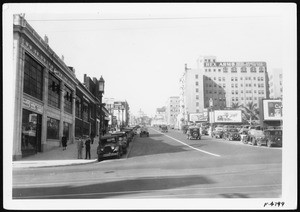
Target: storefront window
85,112
78,107
31,132
54,91
66,130
52,128
33,78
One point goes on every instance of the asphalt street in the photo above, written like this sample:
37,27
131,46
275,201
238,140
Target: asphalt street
163,165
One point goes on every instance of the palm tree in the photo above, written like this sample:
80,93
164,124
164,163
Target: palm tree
235,106
251,111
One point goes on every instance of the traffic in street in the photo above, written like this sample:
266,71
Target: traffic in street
163,165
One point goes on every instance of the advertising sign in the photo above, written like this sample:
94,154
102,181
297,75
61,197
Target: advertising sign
228,116
234,64
194,117
272,109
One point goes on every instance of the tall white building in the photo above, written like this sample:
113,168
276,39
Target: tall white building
275,83
225,83
172,110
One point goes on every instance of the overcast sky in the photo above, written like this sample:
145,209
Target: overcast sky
140,49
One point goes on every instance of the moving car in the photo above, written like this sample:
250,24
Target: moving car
193,133
163,128
232,134
109,147
144,132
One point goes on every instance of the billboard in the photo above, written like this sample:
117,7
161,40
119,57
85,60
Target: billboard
198,117
228,116
272,109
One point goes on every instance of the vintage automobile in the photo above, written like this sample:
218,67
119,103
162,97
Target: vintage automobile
144,132
122,138
163,128
108,147
193,133
272,137
231,134
217,132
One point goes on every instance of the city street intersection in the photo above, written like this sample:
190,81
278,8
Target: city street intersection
163,165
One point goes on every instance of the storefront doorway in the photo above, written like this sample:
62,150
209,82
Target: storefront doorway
31,133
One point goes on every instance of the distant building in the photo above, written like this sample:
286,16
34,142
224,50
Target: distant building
275,83
160,117
225,83
172,110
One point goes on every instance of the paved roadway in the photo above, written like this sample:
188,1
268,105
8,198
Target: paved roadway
162,166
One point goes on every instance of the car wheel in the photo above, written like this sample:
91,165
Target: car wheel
269,143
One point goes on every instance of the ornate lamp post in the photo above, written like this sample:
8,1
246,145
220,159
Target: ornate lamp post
101,92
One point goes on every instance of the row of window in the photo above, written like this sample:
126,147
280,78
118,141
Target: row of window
234,69
233,78
33,85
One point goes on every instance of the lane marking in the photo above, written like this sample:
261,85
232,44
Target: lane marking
188,145
147,190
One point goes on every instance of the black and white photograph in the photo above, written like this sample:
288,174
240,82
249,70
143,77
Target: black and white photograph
178,106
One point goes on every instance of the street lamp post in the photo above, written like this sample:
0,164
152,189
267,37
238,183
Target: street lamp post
101,92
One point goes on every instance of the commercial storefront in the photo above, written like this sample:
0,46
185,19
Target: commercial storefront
45,90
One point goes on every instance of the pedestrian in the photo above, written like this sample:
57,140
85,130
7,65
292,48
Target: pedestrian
87,148
79,147
64,142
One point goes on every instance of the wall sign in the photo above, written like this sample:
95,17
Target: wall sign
32,106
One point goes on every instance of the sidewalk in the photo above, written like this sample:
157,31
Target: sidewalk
58,157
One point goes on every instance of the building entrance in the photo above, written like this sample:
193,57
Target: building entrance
31,133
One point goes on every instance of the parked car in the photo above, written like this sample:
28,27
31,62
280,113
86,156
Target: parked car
122,138
272,137
108,147
244,129
193,133
231,134
217,132
144,132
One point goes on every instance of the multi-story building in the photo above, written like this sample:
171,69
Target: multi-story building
228,83
275,84
50,102
172,110
222,83
44,108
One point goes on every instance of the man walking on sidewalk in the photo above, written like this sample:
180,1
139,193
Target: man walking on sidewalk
87,147
79,147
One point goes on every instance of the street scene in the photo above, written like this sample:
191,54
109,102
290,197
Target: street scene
150,106
163,165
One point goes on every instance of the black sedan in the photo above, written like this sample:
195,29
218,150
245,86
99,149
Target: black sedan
109,147
232,134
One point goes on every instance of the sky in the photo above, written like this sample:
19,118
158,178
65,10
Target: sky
141,49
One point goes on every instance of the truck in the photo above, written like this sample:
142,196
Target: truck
269,130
